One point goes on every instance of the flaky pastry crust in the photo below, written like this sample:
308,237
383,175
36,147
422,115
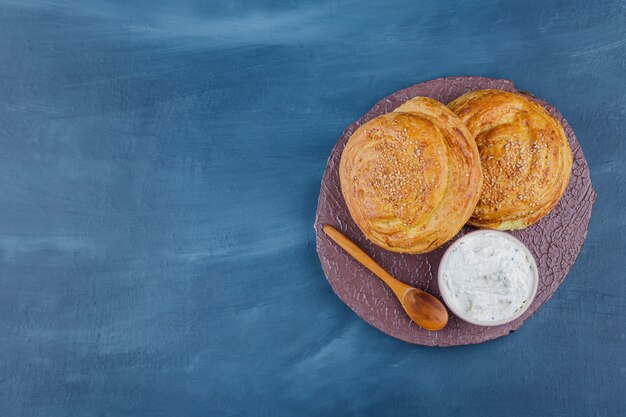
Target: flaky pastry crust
411,178
525,157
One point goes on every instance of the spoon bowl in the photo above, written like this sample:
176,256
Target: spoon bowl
424,309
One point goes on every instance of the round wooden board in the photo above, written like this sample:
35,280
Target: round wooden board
555,241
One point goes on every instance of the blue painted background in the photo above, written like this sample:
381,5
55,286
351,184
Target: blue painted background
160,166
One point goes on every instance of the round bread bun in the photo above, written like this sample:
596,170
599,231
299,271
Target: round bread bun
525,157
411,178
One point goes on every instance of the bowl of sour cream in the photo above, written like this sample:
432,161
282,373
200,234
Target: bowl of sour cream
488,278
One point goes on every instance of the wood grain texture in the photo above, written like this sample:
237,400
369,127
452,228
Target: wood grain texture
555,241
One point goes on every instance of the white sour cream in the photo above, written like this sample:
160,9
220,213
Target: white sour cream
488,277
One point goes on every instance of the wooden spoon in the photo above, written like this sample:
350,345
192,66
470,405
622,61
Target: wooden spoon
423,308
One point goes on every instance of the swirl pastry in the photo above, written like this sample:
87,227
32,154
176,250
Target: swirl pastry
411,178
525,157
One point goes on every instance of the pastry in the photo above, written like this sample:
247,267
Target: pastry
411,178
525,157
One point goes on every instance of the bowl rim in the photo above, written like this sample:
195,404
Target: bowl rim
447,298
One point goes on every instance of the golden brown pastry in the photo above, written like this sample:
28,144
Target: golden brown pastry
525,157
411,178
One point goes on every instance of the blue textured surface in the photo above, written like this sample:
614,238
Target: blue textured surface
159,173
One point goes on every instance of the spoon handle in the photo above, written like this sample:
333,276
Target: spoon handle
357,253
